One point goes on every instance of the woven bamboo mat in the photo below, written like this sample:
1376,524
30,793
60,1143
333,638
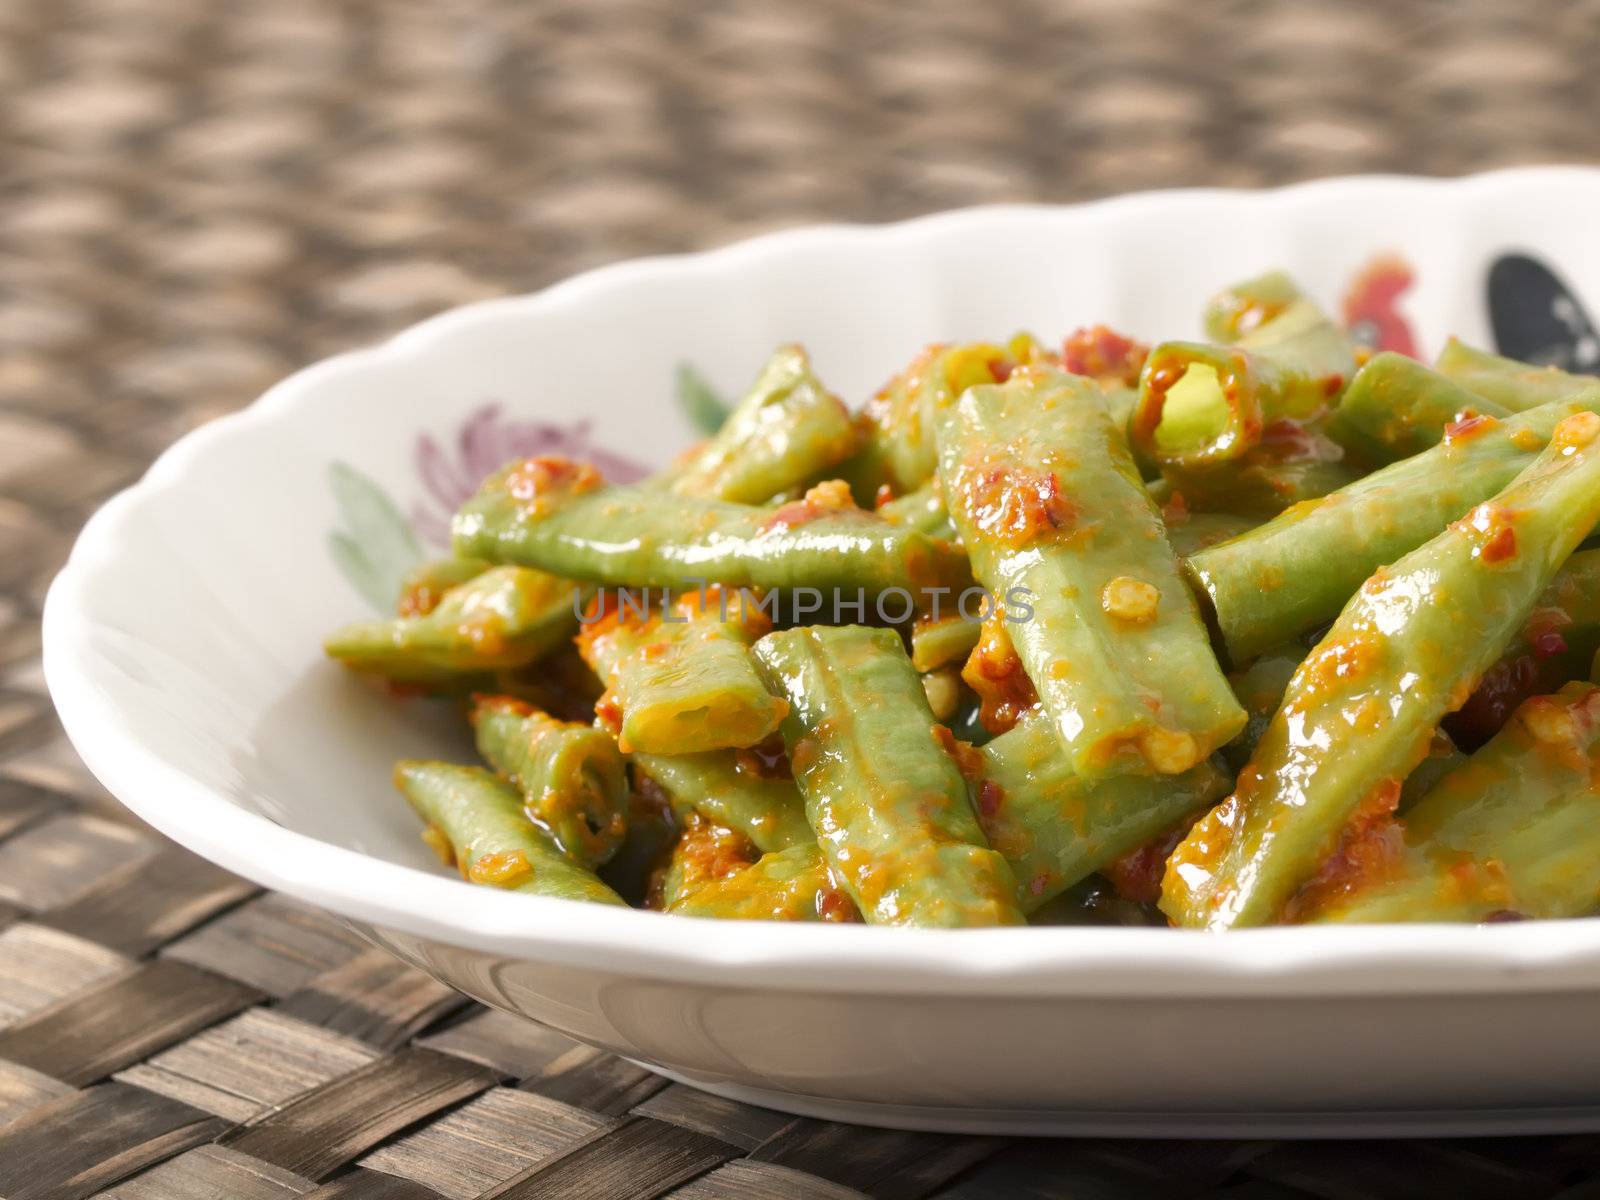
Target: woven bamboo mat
198,196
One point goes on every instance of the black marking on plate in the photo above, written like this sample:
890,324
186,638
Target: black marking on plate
1537,319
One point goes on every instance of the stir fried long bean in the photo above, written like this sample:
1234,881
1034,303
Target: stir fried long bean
1051,508
1361,711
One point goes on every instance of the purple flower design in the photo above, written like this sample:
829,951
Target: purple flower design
487,441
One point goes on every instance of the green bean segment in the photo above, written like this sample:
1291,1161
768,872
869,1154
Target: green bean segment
1055,827
1201,404
785,885
900,453
786,431
1294,573
717,785
1396,407
1514,830
634,536
501,619
571,776
481,819
682,680
1242,308
425,585
1292,464
1199,531
1361,711
888,804
939,643
1053,512
1514,386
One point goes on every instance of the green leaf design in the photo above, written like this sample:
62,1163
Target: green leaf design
374,548
700,402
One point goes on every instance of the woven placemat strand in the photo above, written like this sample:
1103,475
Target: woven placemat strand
197,196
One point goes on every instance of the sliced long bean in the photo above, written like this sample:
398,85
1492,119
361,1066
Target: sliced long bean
1201,403
888,804
938,643
1051,508
426,584
787,431
501,619
1396,407
1361,711
1515,386
571,776
1197,531
1055,827
1290,464
549,514
681,681
899,452
785,885
1516,829
720,787
1244,307
481,820
1294,573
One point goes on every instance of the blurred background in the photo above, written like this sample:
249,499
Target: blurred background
199,196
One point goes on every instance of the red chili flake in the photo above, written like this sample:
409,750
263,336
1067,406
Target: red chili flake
536,478
996,674
990,795
828,498
1001,369
1505,686
1176,510
1468,425
1499,533
966,756
884,494
1549,644
1104,354
1137,875
765,760
1372,842
1038,883
1015,504
834,905
608,712
1501,546
1286,441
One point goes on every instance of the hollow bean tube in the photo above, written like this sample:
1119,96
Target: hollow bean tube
571,775
480,819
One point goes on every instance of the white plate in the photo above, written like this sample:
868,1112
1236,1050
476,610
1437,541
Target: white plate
182,648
